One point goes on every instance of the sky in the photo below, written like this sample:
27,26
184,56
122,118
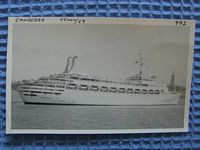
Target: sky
103,50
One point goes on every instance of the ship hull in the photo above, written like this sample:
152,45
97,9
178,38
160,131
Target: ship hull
71,97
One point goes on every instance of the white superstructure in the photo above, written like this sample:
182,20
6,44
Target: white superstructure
78,89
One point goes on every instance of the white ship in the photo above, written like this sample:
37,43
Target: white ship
73,88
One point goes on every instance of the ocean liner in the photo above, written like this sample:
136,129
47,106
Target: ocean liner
73,88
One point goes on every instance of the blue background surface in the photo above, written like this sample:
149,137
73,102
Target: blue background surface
176,9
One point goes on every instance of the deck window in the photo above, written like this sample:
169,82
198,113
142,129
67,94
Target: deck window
83,87
60,86
129,91
30,95
121,90
35,91
144,91
157,92
47,93
84,79
48,89
25,90
57,93
137,91
96,80
59,90
94,88
36,88
73,77
104,89
113,90
150,91
71,86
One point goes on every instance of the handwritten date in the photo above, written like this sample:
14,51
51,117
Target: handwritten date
73,20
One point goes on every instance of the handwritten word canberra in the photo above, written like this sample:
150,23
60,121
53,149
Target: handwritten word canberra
29,19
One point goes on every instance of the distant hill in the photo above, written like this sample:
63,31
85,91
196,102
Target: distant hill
178,88
16,84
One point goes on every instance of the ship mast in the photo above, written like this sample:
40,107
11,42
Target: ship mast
173,81
141,63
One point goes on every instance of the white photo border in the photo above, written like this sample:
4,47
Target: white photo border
92,20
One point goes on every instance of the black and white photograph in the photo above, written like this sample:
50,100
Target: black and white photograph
98,75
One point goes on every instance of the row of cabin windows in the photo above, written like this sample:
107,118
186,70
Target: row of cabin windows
112,89
46,93
97,80
42,89
59,84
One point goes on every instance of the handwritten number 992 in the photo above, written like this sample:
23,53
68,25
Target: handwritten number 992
180,23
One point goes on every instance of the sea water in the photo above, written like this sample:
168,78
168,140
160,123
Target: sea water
35,116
